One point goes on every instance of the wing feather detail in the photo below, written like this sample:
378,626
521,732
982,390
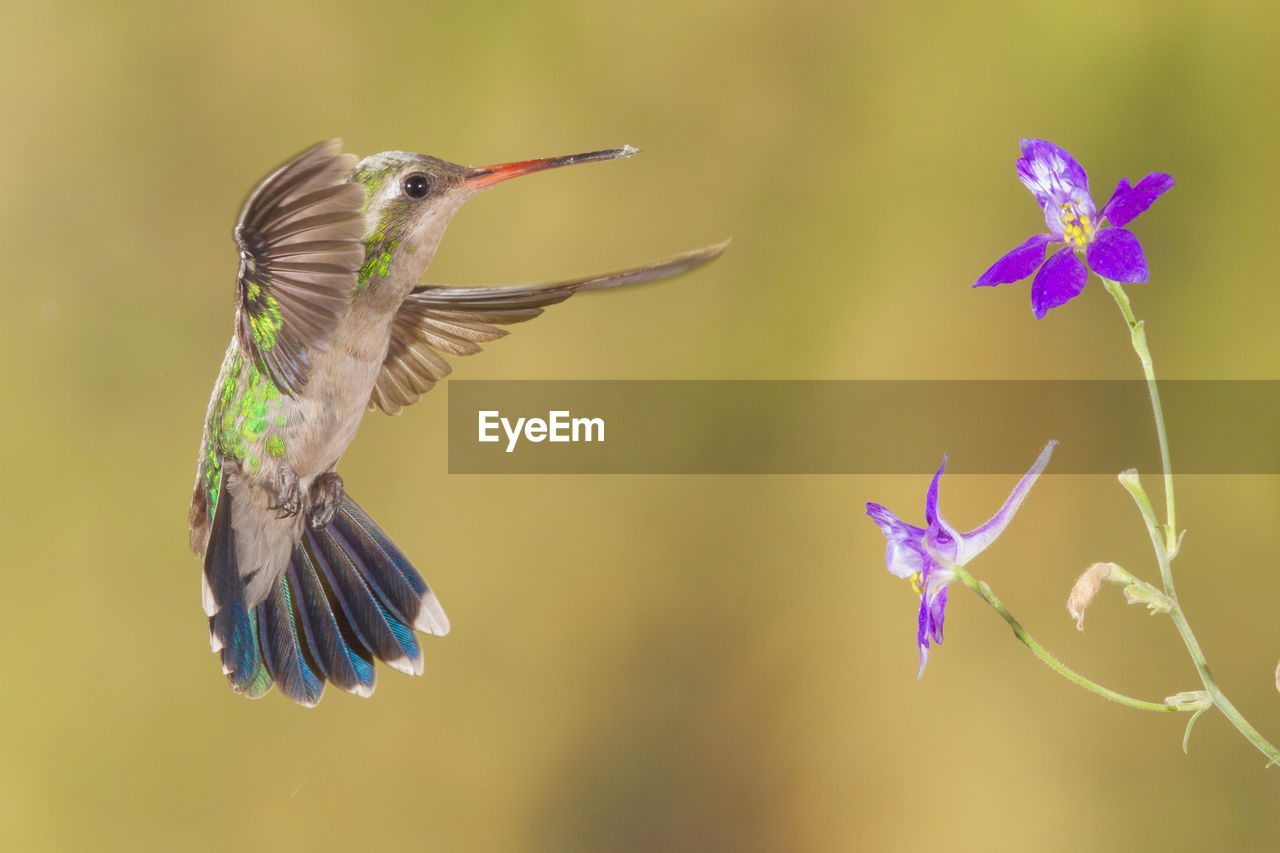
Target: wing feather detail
437,321
300,253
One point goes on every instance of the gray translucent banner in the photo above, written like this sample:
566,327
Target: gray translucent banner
856,427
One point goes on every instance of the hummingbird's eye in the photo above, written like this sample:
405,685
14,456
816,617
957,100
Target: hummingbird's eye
417,185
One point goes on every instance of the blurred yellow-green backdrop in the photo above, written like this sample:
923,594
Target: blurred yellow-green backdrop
636,663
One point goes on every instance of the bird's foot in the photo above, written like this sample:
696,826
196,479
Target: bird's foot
326,494
289,502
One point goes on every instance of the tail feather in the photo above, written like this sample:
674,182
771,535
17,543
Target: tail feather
348,595
350,582
392,586
232,628
399,585
282,648
349,667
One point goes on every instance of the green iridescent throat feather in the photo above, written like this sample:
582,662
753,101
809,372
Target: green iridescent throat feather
380,246
377,260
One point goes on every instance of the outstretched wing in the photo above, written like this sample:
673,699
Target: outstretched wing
437,321
300,252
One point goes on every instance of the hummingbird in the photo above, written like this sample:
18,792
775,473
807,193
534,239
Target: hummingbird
300,585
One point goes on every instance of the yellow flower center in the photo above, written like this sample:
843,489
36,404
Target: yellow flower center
917,582
1076,229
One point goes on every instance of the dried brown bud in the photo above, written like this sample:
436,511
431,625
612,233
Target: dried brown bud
1086,587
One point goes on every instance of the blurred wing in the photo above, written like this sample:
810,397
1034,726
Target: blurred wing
437,321
300,252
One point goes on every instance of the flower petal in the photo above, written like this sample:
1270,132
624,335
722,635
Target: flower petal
1052,175
940,539
937,613
1059,281
1017,264
1053,221
932,612
976,541
941,546
1115,253
931,498
1128,203
904,554
922,637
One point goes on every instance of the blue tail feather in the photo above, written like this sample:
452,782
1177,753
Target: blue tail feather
348,595
350,667
232,626
282,648
349,581
384,566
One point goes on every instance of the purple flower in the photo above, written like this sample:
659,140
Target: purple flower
1061,187
928,556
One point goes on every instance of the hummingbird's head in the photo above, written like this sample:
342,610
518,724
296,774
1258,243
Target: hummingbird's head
410,198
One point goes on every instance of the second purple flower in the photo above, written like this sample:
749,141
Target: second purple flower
929,556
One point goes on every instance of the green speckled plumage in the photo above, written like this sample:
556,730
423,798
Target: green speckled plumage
244,422
377,265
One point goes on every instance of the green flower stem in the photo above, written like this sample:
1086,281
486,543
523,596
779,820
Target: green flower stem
1215,692
1166,542
1129,479
984,592
1138,337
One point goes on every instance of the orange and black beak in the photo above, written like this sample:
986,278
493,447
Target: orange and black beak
487,176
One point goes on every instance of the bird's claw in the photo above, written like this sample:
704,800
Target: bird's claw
326,495
289,502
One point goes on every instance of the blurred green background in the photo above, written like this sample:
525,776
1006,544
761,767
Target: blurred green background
636,663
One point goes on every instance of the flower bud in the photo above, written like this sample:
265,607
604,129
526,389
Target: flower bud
1138,592
1086,587
1191,701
